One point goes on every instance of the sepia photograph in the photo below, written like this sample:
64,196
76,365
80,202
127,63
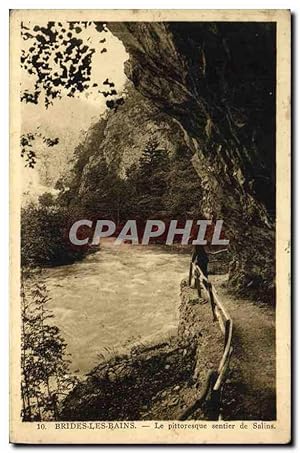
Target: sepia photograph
150,226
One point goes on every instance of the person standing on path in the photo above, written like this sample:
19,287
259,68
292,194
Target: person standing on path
200,257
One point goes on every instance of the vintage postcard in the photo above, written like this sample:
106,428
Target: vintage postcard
150,226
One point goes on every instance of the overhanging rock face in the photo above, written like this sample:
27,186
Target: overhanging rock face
217,81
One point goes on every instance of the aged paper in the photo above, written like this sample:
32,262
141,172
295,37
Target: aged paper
150,227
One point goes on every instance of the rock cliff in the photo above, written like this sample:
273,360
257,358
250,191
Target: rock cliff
217,81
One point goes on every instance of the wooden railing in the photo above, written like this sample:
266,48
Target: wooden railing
212,392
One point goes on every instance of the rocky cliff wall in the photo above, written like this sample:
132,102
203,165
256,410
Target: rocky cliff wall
217,81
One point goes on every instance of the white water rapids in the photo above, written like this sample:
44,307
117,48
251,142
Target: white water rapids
119,295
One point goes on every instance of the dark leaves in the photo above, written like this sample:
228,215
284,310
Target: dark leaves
72,60
115,102
62,62
26,143
110,104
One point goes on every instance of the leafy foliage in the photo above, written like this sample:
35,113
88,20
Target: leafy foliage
28,150
44,235
60,60
148,181
164,186
46,379
184,195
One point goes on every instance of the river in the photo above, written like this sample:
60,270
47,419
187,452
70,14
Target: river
119,295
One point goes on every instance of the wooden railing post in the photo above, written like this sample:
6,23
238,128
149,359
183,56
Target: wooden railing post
212,301
198,285
190,273
227,329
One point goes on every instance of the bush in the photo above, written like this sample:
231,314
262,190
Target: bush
46,378
44,236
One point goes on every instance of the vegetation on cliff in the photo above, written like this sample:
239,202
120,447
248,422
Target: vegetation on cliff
133,164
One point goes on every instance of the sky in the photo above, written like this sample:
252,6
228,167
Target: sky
68,118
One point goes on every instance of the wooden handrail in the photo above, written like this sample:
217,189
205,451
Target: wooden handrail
224,319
